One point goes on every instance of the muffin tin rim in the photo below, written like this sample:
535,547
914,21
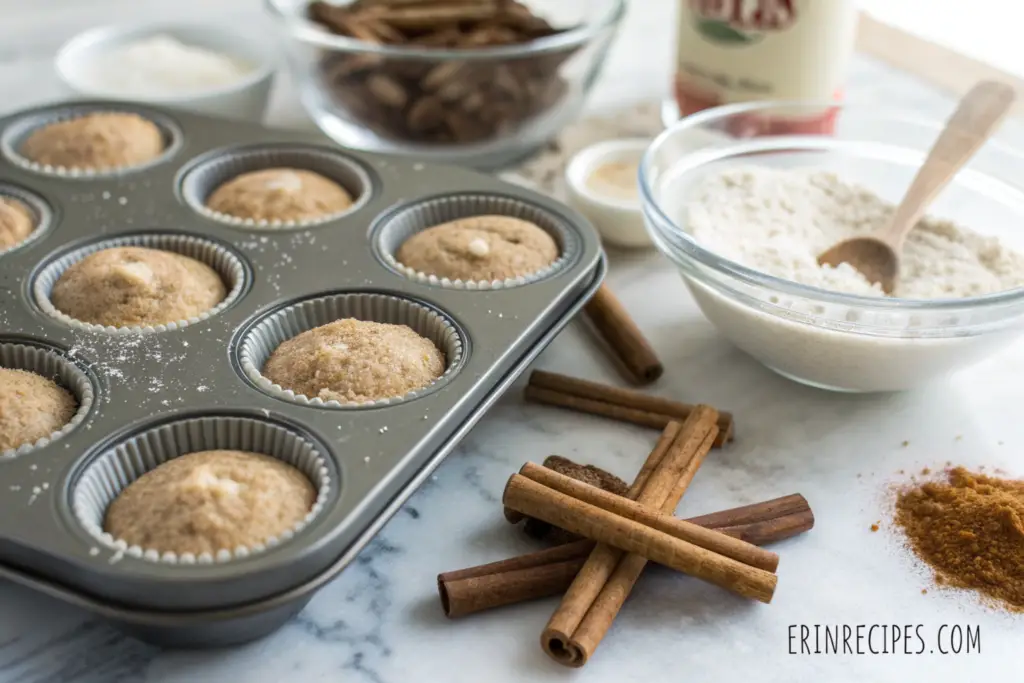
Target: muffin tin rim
40,301
86,402
197,205
43,210
566,259
254,377
329,496
25,122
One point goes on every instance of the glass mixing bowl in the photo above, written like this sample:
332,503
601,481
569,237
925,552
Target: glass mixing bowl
818,337
483,107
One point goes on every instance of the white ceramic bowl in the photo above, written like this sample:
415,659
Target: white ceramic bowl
244,99
619,220
827,339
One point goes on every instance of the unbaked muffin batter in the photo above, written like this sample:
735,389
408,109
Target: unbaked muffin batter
31,407
279,195
209,501
355,361
479,248
125,286
16,222
104,140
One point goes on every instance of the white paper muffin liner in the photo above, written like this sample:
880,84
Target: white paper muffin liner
18,132
260,341
118,466
394,229
220,167
40,210
51,365
225,262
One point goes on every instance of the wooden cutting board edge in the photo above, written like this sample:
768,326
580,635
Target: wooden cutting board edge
941,66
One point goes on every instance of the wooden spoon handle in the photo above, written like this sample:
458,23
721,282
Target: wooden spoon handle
980,112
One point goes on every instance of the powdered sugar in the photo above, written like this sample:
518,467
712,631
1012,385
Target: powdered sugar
161,65
778,222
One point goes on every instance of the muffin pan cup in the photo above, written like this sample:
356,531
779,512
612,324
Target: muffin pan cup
109,474
146,384
394,228
227,264
221,166
39,209
263,338
18,130
54,365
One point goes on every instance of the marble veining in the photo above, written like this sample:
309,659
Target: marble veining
380,622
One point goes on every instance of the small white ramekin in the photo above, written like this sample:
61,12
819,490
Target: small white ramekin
620,221
244,99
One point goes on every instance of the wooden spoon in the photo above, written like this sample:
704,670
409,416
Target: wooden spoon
877,255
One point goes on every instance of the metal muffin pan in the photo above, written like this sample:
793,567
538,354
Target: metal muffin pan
375,455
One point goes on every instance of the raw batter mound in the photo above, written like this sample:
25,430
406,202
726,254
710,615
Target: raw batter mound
209,501
126,286
279,195
479,248
31,407
16,222
355,361
105,140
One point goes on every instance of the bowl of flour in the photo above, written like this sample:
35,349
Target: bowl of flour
744,214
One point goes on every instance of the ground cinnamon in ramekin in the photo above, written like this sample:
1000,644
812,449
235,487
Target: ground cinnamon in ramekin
970,530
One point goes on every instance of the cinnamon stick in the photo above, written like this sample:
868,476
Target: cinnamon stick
613,594
686,453
637,538
586,473
533,575
721,544
413,17
516,579
793,504
615,325
669,434
613,402
771,530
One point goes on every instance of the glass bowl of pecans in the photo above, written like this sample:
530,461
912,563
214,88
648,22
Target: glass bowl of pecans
474,82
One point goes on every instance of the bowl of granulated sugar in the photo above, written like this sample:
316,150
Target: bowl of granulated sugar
744,207
199,68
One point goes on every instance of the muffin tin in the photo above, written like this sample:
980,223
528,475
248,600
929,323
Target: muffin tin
150,394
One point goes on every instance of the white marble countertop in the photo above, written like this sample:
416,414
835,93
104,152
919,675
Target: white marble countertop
380,622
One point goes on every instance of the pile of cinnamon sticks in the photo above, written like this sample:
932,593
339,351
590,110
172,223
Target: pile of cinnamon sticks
615,529
621,534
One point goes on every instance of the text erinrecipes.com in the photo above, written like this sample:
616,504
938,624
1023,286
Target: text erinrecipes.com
883,639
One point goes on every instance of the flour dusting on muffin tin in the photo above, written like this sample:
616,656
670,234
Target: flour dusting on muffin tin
21,128
221,166
392,229
151,394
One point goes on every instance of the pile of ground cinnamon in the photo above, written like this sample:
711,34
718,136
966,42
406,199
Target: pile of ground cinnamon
970,529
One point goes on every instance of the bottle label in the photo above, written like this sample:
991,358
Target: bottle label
739,50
